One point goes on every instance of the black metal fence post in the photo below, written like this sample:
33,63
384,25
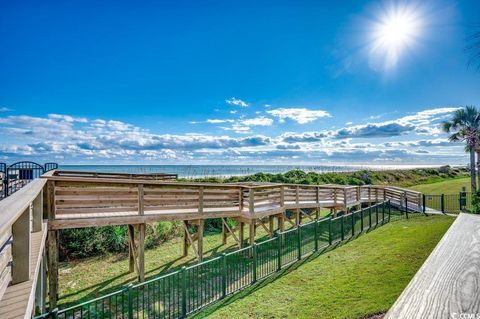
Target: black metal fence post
442,203
424,203
406,207
330,231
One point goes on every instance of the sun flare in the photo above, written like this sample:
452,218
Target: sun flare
397,30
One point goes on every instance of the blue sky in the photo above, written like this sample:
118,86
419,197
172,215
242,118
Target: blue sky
189,82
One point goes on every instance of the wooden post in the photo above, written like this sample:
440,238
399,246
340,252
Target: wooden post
200,200
141,252
37,213
298,218
252,227
240,198
345,200
52,248
21,248
297,195
282,196
224,231
141,209
251,201
270,226
281,222
52,268
131,245
200,239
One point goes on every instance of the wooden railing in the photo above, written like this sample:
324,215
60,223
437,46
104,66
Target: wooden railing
91,197
152,176
81,200
22,239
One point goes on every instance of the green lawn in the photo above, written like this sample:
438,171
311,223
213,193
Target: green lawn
452,186
362,277
96,276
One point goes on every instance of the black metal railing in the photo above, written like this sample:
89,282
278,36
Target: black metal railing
13,177
449,203
189,289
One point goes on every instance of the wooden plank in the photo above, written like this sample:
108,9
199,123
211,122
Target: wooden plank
37,212
448,283
18,300
21,248
13,206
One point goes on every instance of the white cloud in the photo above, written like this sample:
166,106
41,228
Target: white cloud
4,109
218,121
299,115
78,139
258,121
236,102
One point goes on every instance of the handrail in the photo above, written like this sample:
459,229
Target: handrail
13,206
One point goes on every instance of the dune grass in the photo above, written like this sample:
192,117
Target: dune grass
362,277
452,186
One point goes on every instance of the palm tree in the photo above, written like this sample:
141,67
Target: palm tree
464,126
473,47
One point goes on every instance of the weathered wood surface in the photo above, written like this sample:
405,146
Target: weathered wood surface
18,300
86,201
13,206
448,283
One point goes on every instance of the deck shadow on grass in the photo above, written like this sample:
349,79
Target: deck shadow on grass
269,279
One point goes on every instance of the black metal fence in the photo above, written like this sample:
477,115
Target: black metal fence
449,203
13,177
189,289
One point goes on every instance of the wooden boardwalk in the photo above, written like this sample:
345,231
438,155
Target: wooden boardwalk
448,283
88,199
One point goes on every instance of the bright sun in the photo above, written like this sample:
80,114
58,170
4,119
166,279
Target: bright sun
394,32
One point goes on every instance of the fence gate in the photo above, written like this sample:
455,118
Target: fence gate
449,203
19,174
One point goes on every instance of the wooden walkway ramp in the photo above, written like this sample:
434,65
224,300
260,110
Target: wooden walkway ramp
448,283
61,200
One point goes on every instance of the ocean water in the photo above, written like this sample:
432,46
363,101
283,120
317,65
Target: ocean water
192,171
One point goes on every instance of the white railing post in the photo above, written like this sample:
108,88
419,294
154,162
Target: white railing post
37,213
21,248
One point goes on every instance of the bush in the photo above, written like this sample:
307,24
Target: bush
86,242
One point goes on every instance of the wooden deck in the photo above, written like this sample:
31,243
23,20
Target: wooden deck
448,283
89,199
86,201
18,300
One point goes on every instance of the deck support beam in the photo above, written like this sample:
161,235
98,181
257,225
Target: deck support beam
52,268
252,232
281,222
227,231
241,237
131,243
136,250
194,240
